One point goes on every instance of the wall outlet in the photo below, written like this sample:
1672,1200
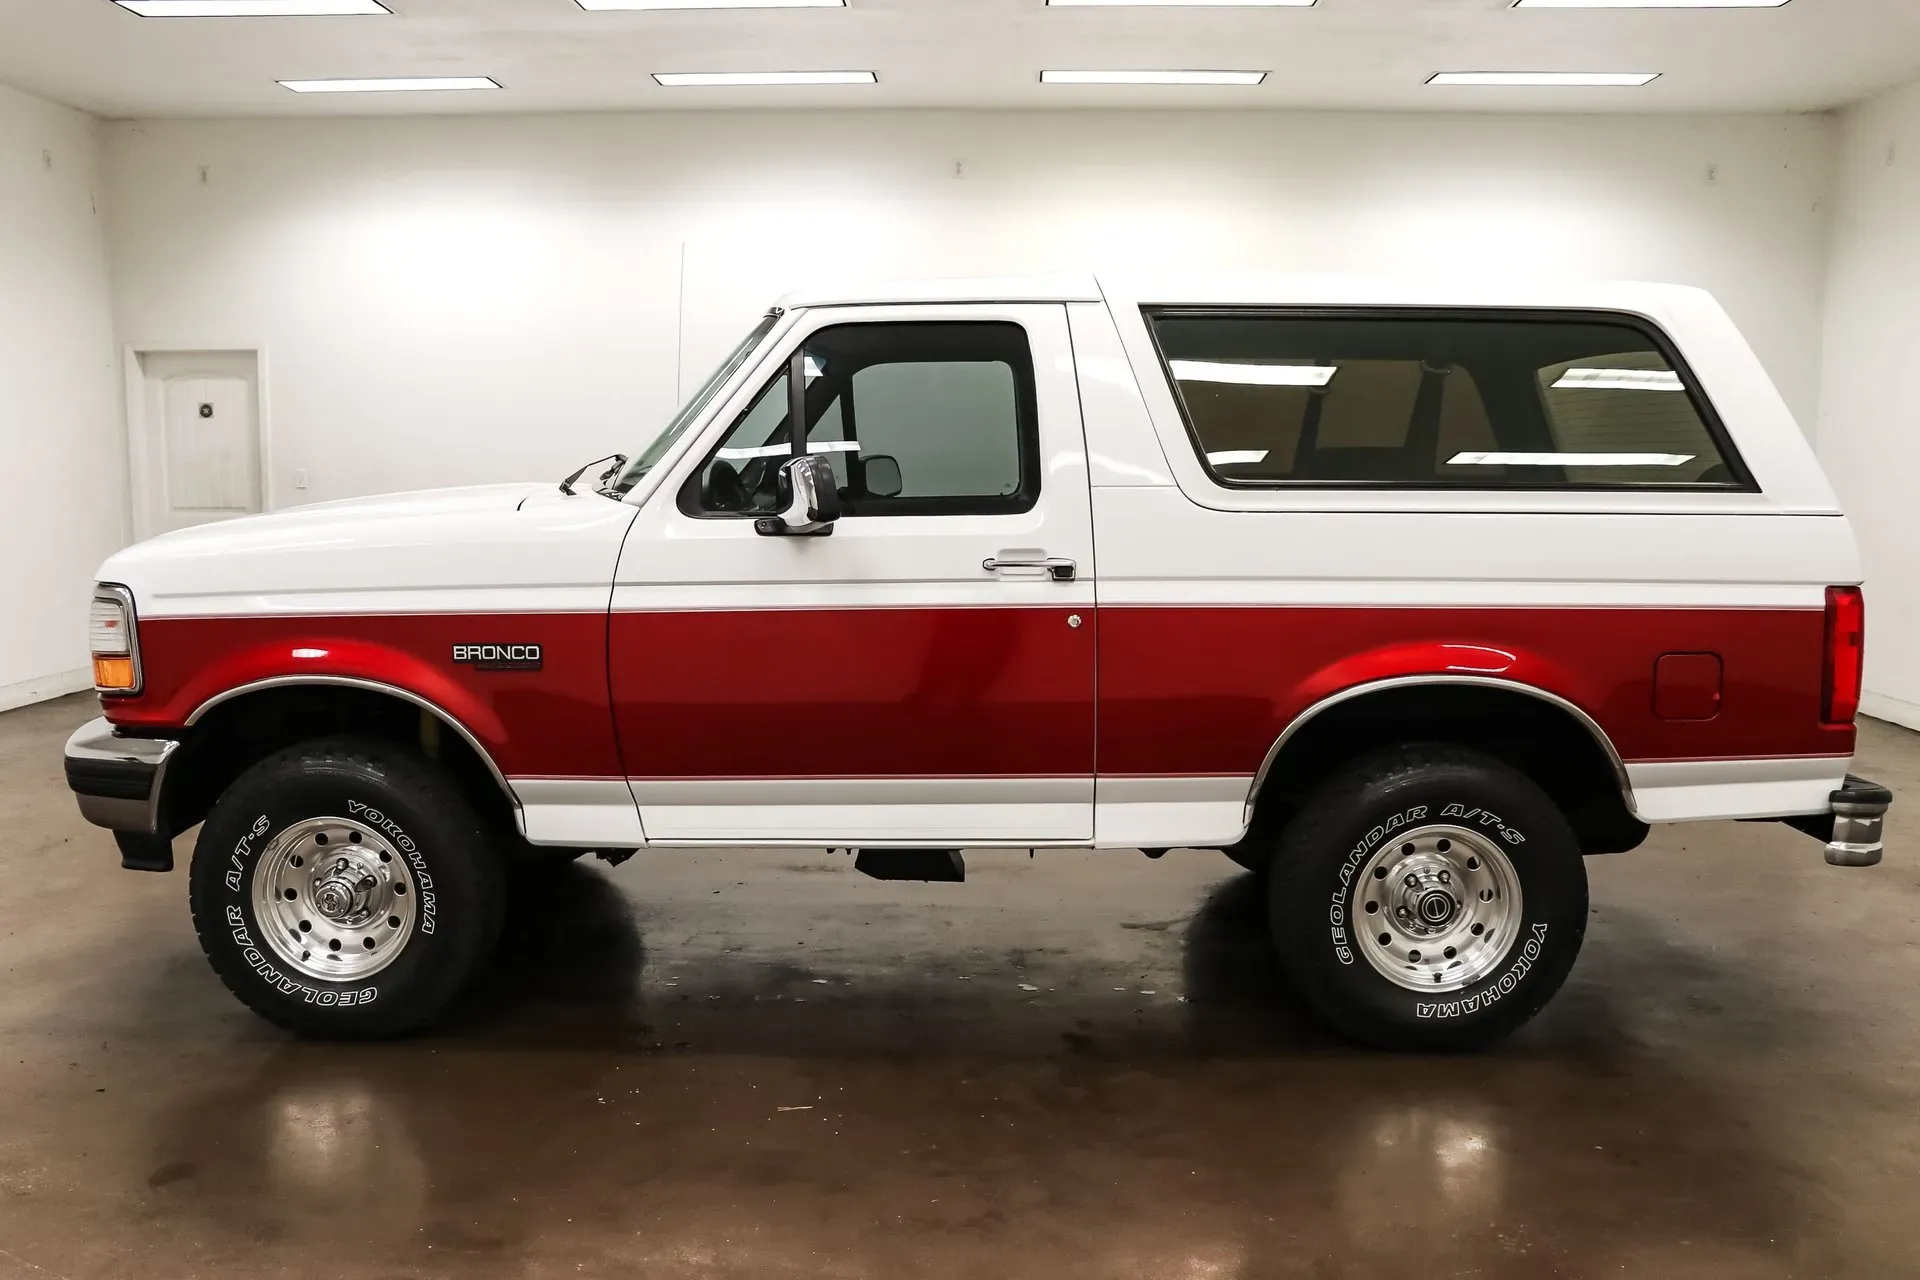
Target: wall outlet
299,477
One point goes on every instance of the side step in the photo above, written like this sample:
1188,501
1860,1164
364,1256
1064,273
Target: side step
912,864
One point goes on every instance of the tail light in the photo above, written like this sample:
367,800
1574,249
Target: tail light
113,637
1846,648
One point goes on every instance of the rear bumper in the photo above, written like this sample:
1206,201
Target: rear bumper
118,780
1851,827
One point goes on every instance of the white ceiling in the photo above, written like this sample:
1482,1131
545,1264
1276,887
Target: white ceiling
1367,54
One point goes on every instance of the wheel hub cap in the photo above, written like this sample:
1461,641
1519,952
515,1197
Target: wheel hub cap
1437,908
343,893
334,899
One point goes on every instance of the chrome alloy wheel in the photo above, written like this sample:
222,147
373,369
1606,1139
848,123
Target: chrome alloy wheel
1437,908
334,899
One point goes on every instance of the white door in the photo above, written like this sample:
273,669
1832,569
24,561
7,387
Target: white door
924,674
196,445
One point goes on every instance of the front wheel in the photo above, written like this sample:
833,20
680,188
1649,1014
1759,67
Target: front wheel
1428,897
345,889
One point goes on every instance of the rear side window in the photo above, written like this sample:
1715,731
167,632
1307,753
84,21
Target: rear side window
1437,400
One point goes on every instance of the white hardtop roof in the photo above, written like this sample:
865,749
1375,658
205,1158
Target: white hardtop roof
1265,290
1051,288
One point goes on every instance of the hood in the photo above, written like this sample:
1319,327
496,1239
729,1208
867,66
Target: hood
291,522
429,550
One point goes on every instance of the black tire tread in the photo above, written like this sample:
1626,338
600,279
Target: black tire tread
1294,876
436,790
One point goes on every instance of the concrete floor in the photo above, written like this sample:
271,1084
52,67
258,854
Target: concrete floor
761,1064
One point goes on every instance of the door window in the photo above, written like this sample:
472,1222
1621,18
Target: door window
917,418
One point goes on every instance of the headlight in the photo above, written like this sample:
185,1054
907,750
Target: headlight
114,638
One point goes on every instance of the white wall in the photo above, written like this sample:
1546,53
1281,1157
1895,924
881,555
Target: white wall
63,494
1869,432
466,299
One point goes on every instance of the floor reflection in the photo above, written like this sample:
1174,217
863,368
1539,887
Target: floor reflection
752,1117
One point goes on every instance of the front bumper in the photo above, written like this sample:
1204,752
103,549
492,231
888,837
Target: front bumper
1851,827
118,779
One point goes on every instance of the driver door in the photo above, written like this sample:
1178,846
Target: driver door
924,672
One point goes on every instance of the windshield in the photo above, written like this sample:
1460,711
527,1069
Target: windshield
649,457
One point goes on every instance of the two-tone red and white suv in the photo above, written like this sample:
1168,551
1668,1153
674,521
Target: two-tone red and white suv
1405,597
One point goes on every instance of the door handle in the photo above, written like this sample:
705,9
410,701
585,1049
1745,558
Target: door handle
1031,564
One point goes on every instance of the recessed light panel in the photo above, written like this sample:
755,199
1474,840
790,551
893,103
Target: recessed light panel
1153,77
599,5
1548,79
252,8
736,79
1647,4
394,84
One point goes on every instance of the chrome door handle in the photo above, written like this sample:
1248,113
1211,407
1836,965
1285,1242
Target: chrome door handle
1022,565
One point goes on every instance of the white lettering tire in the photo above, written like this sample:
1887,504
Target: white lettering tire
1428,898
345,889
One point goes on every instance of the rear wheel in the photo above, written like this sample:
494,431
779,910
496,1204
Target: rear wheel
1428,898
346,889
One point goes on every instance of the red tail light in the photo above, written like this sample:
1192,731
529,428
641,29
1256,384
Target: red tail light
1846,647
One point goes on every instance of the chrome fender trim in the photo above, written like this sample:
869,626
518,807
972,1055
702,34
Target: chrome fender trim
374,686
1404,682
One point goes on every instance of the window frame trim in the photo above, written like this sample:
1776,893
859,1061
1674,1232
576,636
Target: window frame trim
1743,481
1026,399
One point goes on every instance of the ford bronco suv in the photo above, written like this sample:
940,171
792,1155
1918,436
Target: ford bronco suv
1405,598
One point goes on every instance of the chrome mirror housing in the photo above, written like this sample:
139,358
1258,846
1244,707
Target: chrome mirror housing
808,497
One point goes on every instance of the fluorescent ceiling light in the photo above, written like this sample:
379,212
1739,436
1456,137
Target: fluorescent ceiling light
252,8
711,4
1646,4
396,84
1187,4
1254,375
723,79
1569,459
1152,77
1548,79
1236,457
1621,379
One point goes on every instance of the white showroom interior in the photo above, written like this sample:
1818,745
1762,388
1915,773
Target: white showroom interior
449,288
1163,874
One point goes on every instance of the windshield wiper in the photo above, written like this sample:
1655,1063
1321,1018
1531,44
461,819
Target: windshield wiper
618,460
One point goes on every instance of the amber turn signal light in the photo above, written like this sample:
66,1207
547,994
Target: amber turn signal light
113,673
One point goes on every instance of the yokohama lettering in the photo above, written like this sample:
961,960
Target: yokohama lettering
1496,990
403,842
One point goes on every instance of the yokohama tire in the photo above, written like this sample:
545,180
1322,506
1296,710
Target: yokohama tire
1362,852
393,806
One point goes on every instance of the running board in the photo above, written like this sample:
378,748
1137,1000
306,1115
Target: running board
944,865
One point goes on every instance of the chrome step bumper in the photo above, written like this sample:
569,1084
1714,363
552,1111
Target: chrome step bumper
1851,827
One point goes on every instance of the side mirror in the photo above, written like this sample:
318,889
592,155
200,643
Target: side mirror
883,475
807,497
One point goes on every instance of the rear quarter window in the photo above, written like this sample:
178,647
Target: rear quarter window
1432,399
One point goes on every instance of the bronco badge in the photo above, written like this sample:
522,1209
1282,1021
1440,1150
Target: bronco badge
498,657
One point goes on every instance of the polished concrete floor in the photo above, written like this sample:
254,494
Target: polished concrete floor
762,1064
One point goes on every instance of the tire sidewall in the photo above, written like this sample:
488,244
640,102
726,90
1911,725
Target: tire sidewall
265,802
1316,921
